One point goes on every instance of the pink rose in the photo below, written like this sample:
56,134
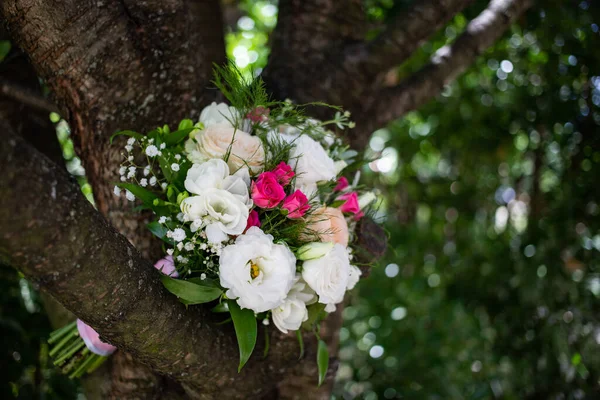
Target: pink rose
284,173
167,266
267,192
296,204
350,205
92,340
342,183
259,114
252,220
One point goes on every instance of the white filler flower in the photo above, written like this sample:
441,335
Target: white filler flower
256,271
293,312
329,276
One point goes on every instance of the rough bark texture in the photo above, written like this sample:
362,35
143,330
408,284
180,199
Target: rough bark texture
123,64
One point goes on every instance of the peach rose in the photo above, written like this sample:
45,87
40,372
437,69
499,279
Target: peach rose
329,225
214,141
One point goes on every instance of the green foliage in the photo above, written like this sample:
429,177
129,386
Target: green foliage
192,291
322,360
246,330
492,289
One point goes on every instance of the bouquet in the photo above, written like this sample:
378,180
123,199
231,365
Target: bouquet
255,208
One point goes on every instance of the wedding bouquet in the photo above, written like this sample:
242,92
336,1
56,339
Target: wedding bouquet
255,208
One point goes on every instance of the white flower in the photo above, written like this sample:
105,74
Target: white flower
217,141
122,170
146,170
128,148
117,191
355,274
178,157
218,114
293,312
214,174
311,162
189,246
220,210
175,167
130,141
163,146
328,276
256,271
178,235
153,181
129,195
151,151
143,182
162,220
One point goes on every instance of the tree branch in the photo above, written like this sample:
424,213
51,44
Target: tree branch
446,63
56,238
404,35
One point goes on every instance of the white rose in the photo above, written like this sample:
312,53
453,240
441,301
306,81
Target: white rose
328,276
217,207
311,162
214,174
293,312
218,114
215,141
256,271
355,274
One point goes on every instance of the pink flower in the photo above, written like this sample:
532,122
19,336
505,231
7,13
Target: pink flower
342,183
267,192
167,266
284,173
252,220
259,114
92,340
350,205
296,204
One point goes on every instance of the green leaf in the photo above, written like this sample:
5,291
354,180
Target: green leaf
4,48
322,360
337,203
159,230
191,292
165,167
177,136
300,342
316,312
132,134
146,196
185,124
220,308
245,330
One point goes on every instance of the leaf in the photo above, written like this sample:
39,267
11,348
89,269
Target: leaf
322,360
132,134
165,167
185,124
301,343
177,136
220,308
245,330
146,196
160,231
315,314
4,48
191,292
337,203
